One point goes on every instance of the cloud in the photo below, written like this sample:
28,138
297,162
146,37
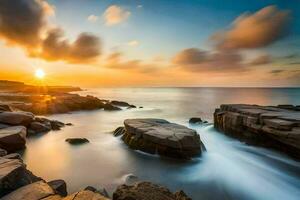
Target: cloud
115,61
255,30
24,23
139,6
197,60
261,60
133,43
115,14
85,48
92,18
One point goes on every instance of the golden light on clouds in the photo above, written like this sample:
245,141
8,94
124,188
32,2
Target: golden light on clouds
115,14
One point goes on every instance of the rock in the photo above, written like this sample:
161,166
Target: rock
69,124
34,191
13,175
131,106
195,120
161,137
38,127
141,107
85,195
120,103
147,191
76,141
5,107
110,107
130,179
56,125
101,191
16,118
13,138
59,186
4,126
268,126
119,131
3,152
13,156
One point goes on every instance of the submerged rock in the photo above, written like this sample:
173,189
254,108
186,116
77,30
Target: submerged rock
147,191
76,141
195,120
13,138
13,175
161,137
269,126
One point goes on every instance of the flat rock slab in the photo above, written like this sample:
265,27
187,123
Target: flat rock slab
13,138
147,191
161,137
16,118
270,126
34,191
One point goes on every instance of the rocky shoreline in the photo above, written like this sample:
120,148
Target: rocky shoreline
53,99
276,127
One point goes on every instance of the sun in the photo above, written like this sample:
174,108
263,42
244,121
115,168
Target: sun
39,73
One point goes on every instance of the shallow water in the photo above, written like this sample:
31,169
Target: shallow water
228,170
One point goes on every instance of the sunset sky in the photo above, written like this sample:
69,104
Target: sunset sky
98,43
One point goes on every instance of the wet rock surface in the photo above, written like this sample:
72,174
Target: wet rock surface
147,191
158,136
270,126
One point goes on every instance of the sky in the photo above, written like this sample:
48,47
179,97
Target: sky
143,43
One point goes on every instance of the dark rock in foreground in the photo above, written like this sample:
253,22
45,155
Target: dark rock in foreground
59,186
35,191
147,191
269,126
76,141
13,175
158,136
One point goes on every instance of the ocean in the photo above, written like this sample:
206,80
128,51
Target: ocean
228,170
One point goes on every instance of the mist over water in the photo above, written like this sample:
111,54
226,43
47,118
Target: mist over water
228,170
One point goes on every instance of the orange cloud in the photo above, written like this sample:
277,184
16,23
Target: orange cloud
24,23
115,14
254,30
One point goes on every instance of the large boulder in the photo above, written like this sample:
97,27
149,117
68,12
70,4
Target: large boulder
268,126
161,137
35,191
13,175
16,118
13,138
147,191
